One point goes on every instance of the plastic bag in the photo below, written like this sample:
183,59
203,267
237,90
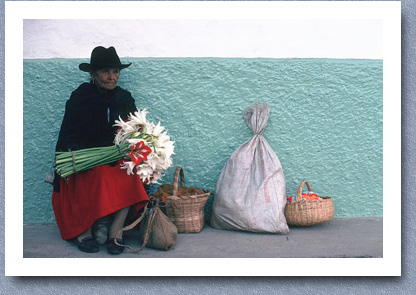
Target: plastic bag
250,194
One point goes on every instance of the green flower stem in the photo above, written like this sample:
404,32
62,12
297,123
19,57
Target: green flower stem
88,158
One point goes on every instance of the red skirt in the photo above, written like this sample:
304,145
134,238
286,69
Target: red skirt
92,194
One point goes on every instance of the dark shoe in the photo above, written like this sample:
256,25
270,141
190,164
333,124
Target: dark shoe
88,244
114,249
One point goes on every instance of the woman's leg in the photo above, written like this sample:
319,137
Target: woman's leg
115,231
100,229
118,223
84,235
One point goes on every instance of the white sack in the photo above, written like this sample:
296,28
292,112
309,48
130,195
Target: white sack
250,194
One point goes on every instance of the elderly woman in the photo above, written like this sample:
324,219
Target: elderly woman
84,197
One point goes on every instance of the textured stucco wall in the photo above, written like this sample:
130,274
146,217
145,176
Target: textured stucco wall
325,124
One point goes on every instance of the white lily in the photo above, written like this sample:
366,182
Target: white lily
167,163
136,129
145,172
139,117
133,141
129,165
125,126
157,130
169,148
156,177
126,129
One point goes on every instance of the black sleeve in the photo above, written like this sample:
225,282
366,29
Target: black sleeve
131,106
124,104
75,121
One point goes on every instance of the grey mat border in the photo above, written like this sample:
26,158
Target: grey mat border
253,285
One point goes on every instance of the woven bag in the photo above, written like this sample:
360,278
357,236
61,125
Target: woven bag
186,212
308,212
156,230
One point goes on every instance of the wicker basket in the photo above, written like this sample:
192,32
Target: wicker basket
308,212
186,212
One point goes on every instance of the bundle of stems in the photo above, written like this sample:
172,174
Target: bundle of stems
85,159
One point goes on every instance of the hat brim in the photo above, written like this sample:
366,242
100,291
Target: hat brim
86,67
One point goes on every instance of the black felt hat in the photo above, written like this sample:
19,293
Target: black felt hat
101,58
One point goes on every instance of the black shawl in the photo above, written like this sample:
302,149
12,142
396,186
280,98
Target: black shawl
89,117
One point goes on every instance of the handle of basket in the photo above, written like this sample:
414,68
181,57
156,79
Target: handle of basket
299,192
178,172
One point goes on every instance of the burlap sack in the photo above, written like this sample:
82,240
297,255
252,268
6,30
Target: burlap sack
250,194
157,231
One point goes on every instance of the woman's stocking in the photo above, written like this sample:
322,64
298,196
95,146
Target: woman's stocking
118,223
84,235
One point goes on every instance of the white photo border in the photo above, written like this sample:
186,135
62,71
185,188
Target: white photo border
387,11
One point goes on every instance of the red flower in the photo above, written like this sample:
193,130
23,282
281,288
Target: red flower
139,152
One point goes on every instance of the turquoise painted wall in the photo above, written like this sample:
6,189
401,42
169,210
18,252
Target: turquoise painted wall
325,124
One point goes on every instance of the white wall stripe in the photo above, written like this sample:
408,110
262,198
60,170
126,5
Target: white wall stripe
206,38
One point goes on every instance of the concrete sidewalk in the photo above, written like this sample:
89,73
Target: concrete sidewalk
349,237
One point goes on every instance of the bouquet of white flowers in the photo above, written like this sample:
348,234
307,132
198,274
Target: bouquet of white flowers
147,145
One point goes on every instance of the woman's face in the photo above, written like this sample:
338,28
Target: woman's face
106,79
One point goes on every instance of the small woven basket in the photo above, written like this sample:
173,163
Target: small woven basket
186,212
308,212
